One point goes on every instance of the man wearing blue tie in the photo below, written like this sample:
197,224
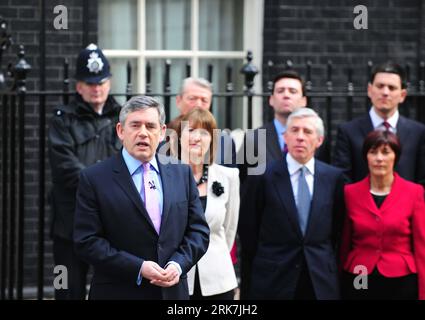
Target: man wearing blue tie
297,205
139,220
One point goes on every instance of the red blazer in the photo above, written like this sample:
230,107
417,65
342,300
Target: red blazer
391,238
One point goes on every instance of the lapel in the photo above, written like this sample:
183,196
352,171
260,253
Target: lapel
321,191
211,198
366,126
167,186
124,180
364,192
402,130
272,144
282,182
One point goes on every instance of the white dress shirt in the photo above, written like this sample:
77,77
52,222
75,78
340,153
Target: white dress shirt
377,120
294,173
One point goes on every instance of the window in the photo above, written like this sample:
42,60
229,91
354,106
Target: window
185,32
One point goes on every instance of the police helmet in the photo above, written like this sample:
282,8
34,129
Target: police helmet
92,66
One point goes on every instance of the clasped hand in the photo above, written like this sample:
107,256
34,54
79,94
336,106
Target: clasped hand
158,276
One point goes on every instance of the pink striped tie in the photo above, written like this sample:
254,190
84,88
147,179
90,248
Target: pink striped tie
151,197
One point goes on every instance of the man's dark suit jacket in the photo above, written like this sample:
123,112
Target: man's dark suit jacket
273,152
113,231
348,149
270,232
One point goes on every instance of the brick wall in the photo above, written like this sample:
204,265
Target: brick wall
24,23
298,30
301,30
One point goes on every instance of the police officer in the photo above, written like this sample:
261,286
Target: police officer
80,134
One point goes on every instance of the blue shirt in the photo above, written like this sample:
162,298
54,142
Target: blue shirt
280,130
135,167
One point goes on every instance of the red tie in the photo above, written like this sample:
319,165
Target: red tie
386,125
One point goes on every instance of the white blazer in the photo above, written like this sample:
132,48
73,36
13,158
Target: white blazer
215,268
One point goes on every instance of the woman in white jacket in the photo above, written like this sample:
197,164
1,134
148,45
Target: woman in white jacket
213,277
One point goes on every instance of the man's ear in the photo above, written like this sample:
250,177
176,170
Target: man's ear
120,129
403,95
163,131
369,89
270,102
321,140
78,86
304,101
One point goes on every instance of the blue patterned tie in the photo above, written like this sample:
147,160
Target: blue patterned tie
303,200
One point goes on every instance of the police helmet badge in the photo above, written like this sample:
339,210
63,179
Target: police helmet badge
94,63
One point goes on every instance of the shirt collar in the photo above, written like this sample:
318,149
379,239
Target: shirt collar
133,164
377,120
294,165
280,128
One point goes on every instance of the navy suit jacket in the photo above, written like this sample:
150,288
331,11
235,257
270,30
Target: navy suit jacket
348,149
272,223
114,233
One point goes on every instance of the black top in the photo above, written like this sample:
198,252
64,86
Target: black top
379,200
204,202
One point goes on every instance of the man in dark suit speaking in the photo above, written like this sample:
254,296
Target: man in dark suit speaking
297,212
139,220
386,90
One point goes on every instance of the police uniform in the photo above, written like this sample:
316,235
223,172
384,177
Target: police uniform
78,137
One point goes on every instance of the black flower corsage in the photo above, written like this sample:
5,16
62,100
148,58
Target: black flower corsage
217,188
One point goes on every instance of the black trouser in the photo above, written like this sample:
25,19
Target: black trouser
304,289
245,264
63,254
197,295
381,287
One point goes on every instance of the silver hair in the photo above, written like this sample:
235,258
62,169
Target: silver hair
200,82
308,113
140,103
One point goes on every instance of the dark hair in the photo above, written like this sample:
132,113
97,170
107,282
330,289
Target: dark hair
378,138
141,102
390,67
292,74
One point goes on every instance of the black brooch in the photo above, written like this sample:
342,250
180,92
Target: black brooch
217,188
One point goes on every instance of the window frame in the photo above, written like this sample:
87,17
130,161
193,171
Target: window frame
252,40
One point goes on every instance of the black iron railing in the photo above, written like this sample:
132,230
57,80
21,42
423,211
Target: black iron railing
335,103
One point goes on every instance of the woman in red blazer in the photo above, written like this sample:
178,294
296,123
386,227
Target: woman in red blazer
384,230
